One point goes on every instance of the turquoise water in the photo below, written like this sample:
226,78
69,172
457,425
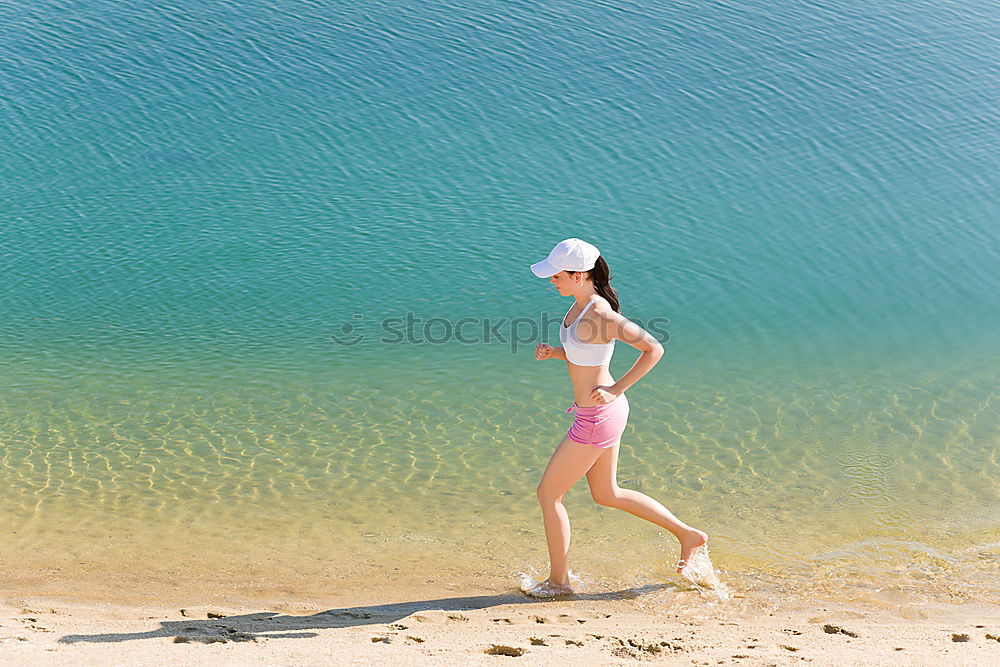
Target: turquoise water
196,199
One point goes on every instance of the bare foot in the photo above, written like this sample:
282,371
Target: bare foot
689,544
548,589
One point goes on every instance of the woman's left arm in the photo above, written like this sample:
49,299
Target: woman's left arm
629,332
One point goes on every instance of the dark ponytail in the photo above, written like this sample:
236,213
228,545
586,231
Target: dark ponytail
601,275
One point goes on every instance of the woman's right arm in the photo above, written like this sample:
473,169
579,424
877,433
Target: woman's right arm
545,351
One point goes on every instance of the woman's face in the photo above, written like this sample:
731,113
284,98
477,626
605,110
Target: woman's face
564,282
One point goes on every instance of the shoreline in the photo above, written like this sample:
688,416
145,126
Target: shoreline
475,627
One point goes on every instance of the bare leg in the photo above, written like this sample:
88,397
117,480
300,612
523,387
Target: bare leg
568,464
605,491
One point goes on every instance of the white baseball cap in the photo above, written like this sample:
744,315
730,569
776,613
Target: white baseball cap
569,255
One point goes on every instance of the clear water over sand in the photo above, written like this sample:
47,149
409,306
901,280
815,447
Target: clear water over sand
196,202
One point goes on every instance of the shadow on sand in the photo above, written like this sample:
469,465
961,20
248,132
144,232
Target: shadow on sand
273,625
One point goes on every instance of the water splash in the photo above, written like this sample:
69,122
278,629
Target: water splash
702,576
534,586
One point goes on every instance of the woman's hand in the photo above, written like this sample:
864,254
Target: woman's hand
603,394
543,351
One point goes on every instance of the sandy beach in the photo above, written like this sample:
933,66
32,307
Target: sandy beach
497,628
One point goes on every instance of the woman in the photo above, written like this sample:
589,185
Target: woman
591,445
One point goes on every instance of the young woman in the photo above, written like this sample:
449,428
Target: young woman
591,445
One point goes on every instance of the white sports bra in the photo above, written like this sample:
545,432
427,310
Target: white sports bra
580,353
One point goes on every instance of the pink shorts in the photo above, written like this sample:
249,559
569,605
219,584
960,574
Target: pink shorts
599,425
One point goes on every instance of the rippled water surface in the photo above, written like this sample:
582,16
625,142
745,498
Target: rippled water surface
210,211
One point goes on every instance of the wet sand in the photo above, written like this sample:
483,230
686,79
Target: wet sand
495,628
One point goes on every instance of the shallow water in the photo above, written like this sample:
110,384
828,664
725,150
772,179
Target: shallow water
203,205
